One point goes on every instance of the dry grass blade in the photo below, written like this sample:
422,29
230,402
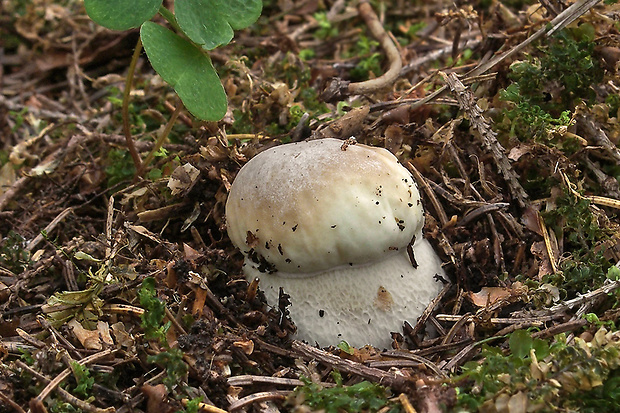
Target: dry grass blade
548,246
599,200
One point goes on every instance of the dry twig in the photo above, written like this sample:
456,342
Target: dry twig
399,383
339,88
488,136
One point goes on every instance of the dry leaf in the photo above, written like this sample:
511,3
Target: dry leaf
214,151
183,179
156,399
518,151
531,220
518,403
7,177
489,295
4,292
383,300
122,337
246,346
88,338
104,332
190,253
198,305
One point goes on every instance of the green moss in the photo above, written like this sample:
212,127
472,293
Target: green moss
545,89
154,312
613,102
545,375
585,268
119,167
83,378
359,397
369,61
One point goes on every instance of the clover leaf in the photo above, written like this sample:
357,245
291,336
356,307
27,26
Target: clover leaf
187,69
121,14
210,23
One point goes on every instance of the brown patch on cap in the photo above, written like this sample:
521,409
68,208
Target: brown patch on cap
251,240
384,300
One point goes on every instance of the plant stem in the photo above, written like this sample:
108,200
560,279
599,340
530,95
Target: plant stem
162,137
125,110
169,16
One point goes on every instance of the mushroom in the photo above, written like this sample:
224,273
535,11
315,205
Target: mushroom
329,223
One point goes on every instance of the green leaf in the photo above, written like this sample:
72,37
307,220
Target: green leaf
81,255
121,14
210,23
541,347
187,69
344,346
521,343
613,273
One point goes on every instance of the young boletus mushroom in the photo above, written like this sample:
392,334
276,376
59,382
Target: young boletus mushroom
330,223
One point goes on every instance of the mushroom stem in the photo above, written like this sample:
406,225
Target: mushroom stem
376,298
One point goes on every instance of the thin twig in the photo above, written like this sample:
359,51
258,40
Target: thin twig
11,403
248,379
125,108
65,395
413,358
599,137
50,227
421,180
608,287
465,354
13,190
562,20
429,309
480,211
436,54
561,328
37,402
161,138
503,320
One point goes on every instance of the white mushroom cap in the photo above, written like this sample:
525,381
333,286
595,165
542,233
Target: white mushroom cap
331,226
